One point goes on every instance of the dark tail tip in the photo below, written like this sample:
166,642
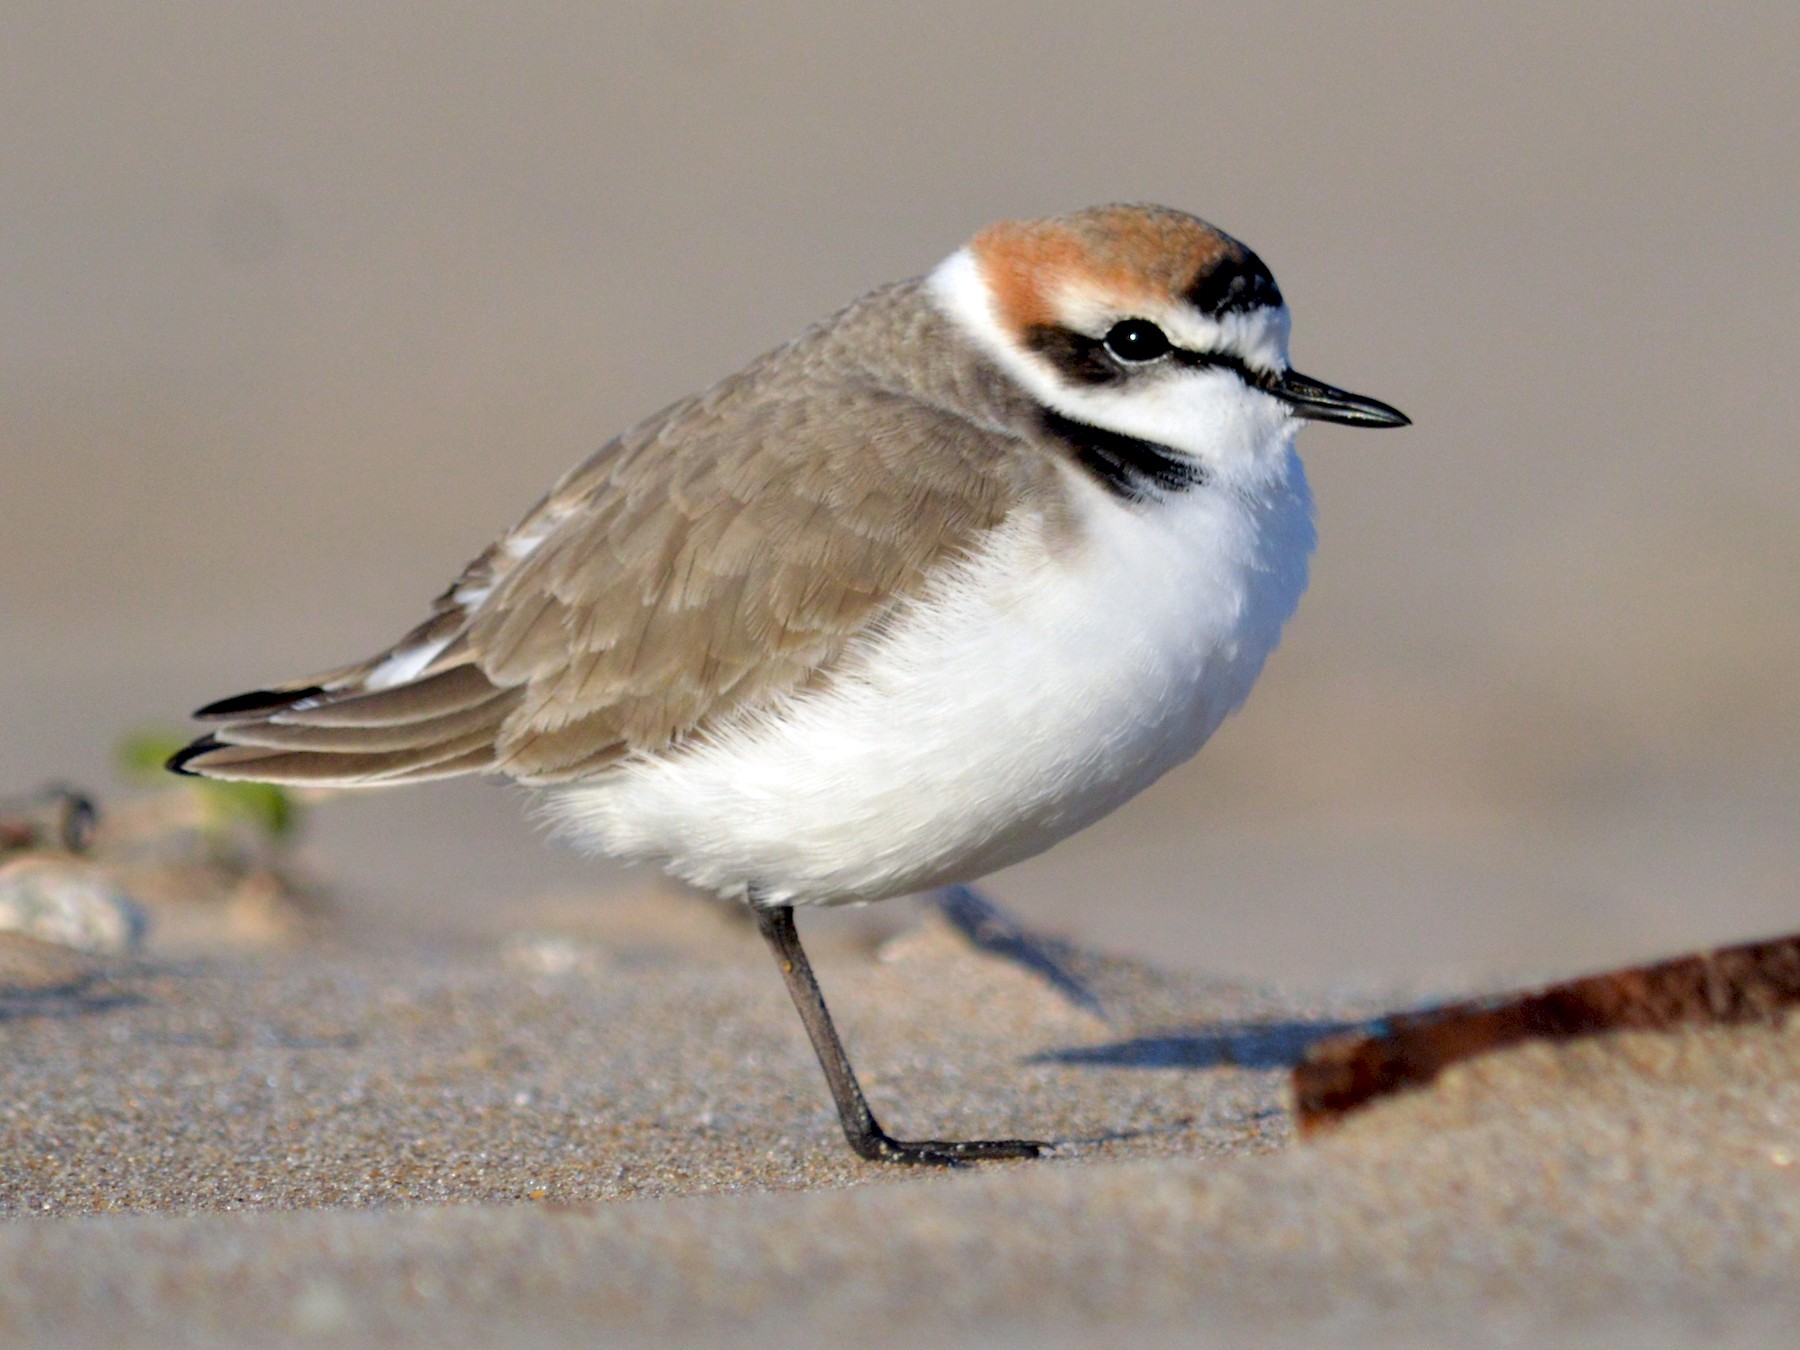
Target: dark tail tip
256,701
178,762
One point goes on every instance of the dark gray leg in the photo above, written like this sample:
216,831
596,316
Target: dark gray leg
860,1126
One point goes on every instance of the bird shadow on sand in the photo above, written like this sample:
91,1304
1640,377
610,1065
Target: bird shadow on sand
1241,1045
1276,1044
76,998
990,929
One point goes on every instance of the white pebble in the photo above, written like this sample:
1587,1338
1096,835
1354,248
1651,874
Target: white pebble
70,903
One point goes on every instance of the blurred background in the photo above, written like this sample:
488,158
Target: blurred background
299,305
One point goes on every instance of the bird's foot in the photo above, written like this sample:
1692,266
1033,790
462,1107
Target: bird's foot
878,1146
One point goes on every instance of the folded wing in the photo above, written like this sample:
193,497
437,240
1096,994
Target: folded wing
717,558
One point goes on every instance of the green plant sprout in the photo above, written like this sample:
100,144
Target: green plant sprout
273,811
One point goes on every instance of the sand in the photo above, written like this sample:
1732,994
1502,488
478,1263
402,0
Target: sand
302,307
606,1126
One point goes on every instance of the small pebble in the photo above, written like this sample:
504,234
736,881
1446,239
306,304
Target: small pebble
547,954
69,903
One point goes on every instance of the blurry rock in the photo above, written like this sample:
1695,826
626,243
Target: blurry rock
551,954
224,901
199,864
70,903
654,922
29,967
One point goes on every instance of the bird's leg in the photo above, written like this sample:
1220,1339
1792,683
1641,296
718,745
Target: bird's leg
860,1126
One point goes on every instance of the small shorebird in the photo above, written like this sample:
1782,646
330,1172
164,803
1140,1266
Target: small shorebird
946,578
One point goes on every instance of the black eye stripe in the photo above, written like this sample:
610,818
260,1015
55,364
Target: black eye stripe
1256,379
1085,360
1080,359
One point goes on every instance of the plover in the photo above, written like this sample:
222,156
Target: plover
949,576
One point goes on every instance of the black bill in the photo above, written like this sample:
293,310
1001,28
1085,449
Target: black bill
1318,402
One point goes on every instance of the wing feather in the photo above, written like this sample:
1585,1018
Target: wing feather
717,557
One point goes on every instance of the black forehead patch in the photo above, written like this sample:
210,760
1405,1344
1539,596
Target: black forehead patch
1234,284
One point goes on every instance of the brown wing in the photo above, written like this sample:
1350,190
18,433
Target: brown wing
717,557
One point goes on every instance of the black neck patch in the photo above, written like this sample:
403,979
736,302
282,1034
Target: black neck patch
1132,470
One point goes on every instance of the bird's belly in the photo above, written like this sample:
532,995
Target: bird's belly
1055,677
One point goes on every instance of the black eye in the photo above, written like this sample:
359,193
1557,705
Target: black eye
1137,340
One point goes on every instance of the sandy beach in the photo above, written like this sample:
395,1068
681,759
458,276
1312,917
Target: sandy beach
300,306
611,1130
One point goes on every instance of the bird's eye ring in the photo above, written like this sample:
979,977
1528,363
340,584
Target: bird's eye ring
1137,341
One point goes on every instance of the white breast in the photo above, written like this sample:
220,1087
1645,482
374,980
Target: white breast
1050,679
